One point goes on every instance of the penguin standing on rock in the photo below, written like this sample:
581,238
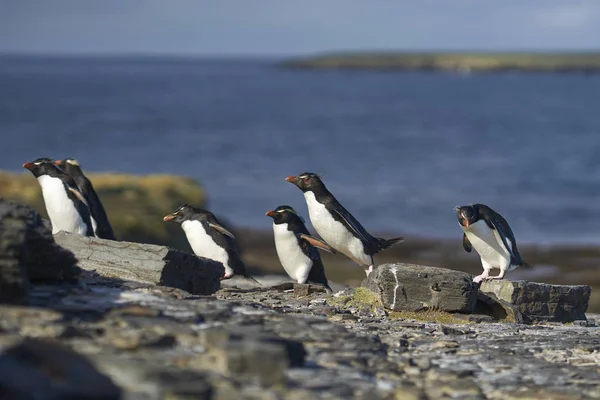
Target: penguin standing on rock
209,239
491,236
66,206
296,249
100,223
336,225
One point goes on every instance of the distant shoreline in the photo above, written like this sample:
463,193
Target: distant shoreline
465,63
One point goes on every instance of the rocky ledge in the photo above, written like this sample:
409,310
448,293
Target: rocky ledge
91,335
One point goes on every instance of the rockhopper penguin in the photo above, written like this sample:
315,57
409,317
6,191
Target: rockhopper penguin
100,223
336,225
491,236
296,249
66,206
209,239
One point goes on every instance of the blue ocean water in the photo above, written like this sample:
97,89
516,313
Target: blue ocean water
398,149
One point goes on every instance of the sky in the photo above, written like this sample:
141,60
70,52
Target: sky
286,27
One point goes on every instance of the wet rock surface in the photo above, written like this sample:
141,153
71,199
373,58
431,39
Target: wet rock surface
409,287
156,342
539,301
145,263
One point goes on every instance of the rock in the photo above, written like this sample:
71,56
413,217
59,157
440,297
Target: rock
36,369
260,358
144,263
34,246
497,309
409,287
541,301
13,277
303,289
157,342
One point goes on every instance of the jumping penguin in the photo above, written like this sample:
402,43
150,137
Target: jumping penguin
100,223
296,249
336,225
491,236
66,206
209,239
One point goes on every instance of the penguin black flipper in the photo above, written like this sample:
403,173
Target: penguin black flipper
227,241
466,244
497,223
316,274
371,244
72,168
316,242
80,203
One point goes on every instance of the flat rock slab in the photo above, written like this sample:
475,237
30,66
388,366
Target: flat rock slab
541,301
58,373
144,263
410,287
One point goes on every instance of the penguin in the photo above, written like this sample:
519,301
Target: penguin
209,239
100,223
489,233
296,249
336,225
66,206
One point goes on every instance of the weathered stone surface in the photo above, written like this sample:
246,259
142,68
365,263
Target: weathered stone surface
156,342
13,278
540,301
32,244
259,358
409,287
41,370
144,263
498,309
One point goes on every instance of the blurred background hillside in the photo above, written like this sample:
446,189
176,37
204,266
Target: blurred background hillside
204,102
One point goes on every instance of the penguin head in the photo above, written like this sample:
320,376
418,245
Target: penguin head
467,215
188,213
283,215
307,181
184,213
69,165
43,166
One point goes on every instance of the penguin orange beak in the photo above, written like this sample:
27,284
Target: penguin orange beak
465,223
291,179
28,165
270,213
168,218
57,162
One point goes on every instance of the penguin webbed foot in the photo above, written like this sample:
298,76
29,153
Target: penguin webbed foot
226,276
494,278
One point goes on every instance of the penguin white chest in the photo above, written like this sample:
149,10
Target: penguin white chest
292,258
203,244
334,232
488,244
61,209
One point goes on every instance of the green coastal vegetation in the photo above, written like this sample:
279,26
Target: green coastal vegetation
464,62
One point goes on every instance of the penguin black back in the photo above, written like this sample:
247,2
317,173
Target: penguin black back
221,236
73,169
469,215
308,181
287,215
45,166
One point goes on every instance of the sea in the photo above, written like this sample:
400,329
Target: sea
398,149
